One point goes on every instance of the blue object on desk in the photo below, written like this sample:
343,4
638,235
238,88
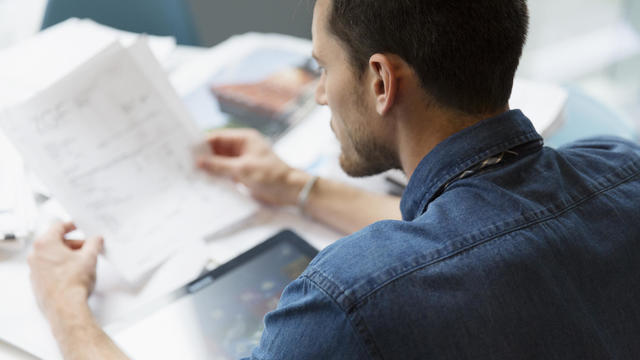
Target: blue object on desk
154,17
586,117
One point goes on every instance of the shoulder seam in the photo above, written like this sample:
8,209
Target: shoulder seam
341,292
346,313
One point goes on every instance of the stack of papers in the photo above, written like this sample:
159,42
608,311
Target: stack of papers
17,206
116,148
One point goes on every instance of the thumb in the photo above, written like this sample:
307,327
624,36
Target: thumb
93,246
219,165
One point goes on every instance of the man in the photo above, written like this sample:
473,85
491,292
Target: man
505,250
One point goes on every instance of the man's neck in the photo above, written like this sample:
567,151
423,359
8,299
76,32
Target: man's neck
422,132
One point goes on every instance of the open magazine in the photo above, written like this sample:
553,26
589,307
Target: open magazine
271,104
267,85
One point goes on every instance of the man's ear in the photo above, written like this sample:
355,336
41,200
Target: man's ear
385,82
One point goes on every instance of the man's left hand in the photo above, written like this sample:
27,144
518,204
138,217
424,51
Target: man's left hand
63,272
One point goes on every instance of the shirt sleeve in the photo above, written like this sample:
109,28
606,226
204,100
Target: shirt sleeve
308,324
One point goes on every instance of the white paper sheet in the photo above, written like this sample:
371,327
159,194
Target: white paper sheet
116,150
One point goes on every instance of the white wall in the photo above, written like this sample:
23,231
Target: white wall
558,20
218,19
633,10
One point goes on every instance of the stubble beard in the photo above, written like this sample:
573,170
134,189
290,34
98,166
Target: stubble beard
361,153
366,156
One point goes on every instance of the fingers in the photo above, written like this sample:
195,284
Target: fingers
93,246
237,133
62,229
226,146
221,166
56,233
85,244
74,244
232,142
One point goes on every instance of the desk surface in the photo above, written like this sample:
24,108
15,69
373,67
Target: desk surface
111,295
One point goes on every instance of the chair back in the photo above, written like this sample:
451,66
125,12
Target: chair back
154,17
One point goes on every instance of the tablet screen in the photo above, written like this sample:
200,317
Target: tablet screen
220,315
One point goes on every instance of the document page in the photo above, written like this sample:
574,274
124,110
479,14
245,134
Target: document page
117,150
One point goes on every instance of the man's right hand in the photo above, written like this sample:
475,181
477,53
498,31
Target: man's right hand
245,156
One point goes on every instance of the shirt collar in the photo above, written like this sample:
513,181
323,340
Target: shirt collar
461,151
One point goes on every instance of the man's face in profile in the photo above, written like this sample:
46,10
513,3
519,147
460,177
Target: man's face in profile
354,119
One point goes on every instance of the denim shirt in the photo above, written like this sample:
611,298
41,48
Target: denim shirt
507,250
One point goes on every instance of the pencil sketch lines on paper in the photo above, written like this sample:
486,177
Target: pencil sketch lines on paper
50,119
117,152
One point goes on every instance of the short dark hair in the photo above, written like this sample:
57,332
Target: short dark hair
465,52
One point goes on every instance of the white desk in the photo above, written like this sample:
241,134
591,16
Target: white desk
112,295
266,223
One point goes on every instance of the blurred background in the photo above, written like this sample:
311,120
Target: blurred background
591,47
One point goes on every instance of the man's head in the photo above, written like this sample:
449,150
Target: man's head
462,55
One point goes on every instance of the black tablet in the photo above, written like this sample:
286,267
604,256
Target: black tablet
220,314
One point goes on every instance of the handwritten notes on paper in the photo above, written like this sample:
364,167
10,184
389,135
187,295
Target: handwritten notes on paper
116,148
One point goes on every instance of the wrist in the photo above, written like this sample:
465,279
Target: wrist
75,329
66,304
305,193
296,180
70,318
